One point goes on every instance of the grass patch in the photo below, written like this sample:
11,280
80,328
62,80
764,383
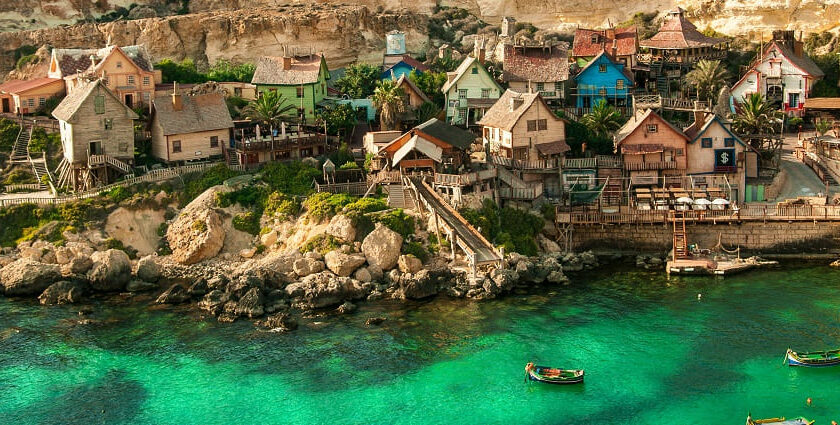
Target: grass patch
519,232
398,221
247,222
322,243
416,249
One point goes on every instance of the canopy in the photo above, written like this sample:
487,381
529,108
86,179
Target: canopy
685,200
720,201
420,144
581,194
702,201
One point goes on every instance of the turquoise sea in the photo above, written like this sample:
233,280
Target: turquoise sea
653,354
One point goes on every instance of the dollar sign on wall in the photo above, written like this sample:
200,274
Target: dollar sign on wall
724,158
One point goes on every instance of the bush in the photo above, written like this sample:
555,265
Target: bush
247,222
416,249
519,232
19,176
25,60
349,165
112,243
15,219
196,183
293,178
8,134
366,205
322,243
398,221
118,194
281,205
248,196
325,205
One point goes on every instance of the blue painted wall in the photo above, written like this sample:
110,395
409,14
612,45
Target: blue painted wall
400,69
591,81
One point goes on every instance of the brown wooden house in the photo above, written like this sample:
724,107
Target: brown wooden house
431,147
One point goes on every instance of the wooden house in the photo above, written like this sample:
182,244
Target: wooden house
540,69
27,96
127,71
414,97
97,136
431,147
398,66
190,128
679,41
783,74
604,78
301,79
620,43
651,148
713,149
470,90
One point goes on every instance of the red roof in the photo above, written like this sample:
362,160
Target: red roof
589,42
677,32
537,64
20,86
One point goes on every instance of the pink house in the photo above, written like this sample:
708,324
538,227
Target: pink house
651,148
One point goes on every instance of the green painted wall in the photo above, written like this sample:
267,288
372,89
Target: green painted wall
313,93
473,83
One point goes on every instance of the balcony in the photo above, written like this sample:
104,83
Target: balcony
658,165
726,169
278,144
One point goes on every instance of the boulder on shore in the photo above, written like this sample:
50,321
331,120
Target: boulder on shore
281,321
25,277
250,304
197,233
342,228
111,270
419,285
176,294
148,269
62,292
409,264
306,266
343,264
382,247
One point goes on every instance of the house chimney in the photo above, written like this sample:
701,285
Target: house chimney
479,50
177,103
610,33
614,48
797,48
699,116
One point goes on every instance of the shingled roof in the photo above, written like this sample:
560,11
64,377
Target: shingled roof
444,132
403,81
677,32
536,64
390,60
20,86
66,110
75,61
501,115
636,121
304,70
206,112
803,61
589,42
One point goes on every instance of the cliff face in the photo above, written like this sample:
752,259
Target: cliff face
344,34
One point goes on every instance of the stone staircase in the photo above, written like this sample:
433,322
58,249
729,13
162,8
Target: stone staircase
511,179
20,151
233,159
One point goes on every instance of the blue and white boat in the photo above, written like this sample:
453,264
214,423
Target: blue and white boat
813,358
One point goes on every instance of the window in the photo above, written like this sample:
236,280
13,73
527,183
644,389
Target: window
540,87
299,92
706,142
679,152
119,64
475,70
594,38
237,92
558,86
214,141
131,80
146,81
652,128
793,100
602,67
462,93
462,114
619,84
109,123
729,142
99,104
42,101
31,102
542,124
485,93
532,125
602,92
176,146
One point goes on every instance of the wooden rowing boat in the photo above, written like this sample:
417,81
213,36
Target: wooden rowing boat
813,358
550,375
779,421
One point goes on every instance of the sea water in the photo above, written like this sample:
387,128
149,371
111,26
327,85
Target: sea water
653,353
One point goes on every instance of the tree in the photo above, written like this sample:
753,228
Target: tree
707,78
427,111
822,126
183,72
338,118
359,80
603,120
224,70
431,84
388,98
269,108
756,116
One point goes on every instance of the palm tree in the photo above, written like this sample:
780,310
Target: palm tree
388,98
756,116
822,126
603,120
426,111
707,78
269,108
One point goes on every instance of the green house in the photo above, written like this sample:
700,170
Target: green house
470,92
300,79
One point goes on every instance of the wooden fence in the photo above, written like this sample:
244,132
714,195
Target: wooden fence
748,212
354,188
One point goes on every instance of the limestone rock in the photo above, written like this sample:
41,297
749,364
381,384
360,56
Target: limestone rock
547,244
176,294
420,285
306,266
248,252
214,301
269,238
343,264
325,289
373,321
148,269
345,308
280,321
26,277
111,270
62,292
79,264
409,264
250,304
199,288
382,247
63,255
197,233
30,253
342,228
363,275
137,285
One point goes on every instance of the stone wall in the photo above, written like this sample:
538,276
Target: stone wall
771,237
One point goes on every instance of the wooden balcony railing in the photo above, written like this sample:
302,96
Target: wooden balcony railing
526,164
658,165
278,143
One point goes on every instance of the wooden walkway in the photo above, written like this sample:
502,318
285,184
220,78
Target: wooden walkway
749,212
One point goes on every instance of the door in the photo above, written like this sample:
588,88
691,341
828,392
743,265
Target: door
129,100
6,105
95,148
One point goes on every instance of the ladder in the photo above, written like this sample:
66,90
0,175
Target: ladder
680,241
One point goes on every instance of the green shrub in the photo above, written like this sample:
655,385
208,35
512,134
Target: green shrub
25,60
398,221
8,134
366,205
349,165
549,211
324,205
322,243
248,196
416,249
19,176
518,233
247,222
112,243
293,178
281,205
199,226
196,183
118,194
161,230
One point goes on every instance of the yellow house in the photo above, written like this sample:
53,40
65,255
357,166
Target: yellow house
190,128
127,71
521,126
27,96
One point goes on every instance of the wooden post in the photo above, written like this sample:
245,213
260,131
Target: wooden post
453,242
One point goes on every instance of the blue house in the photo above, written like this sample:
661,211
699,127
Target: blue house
395,66
604,78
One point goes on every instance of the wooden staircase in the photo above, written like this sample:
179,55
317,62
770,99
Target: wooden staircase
680,241
20,151
100,160
397,197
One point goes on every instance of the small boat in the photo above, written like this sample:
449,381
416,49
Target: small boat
813,358
550,375
778,421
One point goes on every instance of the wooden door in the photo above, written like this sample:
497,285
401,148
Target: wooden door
6,105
